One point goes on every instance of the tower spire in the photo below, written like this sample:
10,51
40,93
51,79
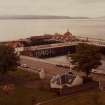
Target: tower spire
67,29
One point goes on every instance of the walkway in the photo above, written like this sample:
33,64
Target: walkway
36,64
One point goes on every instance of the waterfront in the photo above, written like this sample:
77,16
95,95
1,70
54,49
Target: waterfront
17,29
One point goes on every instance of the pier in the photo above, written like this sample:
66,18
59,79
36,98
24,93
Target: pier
50,50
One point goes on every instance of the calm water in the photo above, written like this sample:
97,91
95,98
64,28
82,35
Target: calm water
15,29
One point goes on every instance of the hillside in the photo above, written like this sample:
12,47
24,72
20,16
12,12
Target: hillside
39,17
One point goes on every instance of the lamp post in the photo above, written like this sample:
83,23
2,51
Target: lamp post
69,61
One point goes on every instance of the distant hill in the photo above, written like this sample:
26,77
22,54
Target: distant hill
40,17
103,17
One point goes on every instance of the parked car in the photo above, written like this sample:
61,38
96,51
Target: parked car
63,66
98,71
24,65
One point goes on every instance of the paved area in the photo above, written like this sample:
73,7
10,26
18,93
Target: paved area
37,64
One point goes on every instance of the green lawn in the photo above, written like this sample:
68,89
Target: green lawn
23,95
29,86
84,98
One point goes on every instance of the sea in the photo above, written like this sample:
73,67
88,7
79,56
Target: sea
13,29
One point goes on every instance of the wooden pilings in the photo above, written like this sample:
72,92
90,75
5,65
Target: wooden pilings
44,53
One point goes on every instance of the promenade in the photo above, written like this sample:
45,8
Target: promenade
37,64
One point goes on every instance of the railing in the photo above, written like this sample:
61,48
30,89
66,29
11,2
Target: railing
98,42
50,46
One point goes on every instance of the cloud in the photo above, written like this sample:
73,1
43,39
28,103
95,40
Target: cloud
53,7
90,1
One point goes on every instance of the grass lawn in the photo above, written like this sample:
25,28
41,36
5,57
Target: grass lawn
29,86
24,94
94,97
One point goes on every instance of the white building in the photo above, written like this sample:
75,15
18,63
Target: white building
42,74
67,79
19,49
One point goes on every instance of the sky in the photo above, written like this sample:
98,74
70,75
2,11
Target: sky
90,8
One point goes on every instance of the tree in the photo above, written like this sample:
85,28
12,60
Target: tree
8,59
86,58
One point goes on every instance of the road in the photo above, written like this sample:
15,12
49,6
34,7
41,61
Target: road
35,64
